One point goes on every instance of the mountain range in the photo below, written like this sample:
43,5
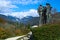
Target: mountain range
26,20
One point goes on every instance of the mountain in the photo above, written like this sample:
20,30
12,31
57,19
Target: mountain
30,20
14,19
9,18
26,20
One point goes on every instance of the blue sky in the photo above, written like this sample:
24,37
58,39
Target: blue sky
23,8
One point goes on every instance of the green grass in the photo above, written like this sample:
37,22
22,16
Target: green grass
47,32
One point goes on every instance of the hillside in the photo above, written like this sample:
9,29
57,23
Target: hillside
56,17
9,27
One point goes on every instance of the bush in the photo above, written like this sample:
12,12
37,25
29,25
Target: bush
6,33
9,30
47,32
18,32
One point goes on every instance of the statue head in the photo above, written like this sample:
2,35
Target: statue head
40,9
40,5
47,5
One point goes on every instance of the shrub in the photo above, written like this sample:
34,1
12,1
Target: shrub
6,33
18,32
9,30
47,32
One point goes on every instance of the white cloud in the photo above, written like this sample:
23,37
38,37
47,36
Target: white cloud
5,6
8,4
31,12
25,2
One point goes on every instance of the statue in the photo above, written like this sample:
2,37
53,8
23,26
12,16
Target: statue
48,13
40,9
44,14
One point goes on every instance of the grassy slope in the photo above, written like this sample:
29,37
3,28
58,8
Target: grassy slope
47,32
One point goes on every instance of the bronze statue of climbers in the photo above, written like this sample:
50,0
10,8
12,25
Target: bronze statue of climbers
44,14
